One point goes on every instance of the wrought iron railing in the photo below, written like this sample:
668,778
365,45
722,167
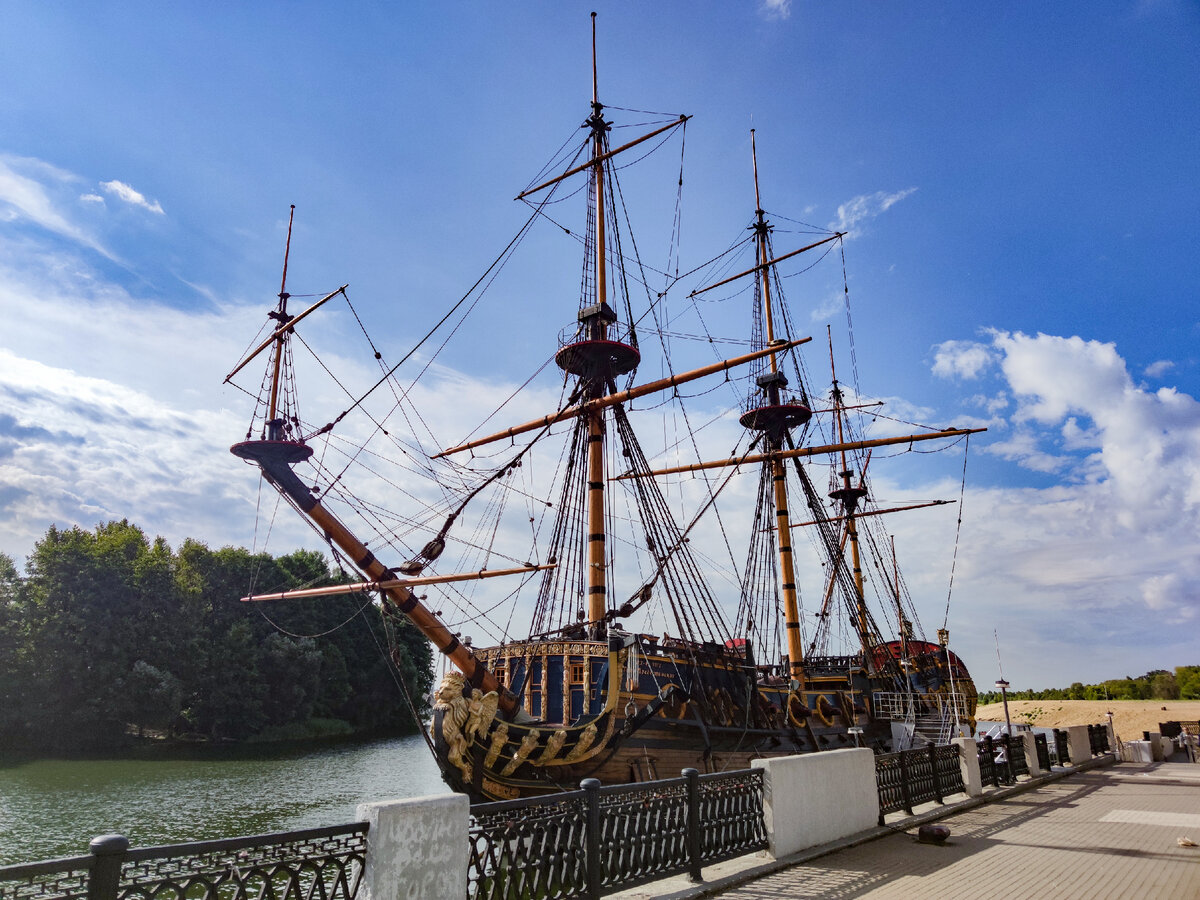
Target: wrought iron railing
1014,749
598,840
910,777
990,758
1062,747
1098,739
325,863
731,815
1043,751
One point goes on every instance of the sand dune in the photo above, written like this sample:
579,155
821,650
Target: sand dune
1130,717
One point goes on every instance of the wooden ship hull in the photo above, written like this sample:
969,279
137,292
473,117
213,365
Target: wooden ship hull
635,709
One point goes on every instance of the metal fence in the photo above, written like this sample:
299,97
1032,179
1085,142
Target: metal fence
1043,751
324,863
597,840
1062,747
917,776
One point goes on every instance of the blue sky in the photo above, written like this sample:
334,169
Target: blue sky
1020,183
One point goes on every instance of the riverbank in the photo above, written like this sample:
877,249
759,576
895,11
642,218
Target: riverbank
1130,717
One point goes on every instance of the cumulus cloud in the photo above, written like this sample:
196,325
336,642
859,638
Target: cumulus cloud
961,359
127,194
91,198
865,207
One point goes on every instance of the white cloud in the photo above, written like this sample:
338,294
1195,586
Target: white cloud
1022,447
961,359
776,9
1158,369
23,197
833,304
865,207
91,198
122,191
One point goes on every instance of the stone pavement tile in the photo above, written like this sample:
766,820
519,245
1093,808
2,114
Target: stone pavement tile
1050,842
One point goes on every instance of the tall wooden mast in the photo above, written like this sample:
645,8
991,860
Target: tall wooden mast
774,420
279,450
849,495
598,326
274,423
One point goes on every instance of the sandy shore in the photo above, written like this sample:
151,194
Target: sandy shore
1130,717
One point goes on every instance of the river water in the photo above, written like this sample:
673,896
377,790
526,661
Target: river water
52,808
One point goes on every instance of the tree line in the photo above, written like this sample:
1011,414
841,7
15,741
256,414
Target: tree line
109,635
1159,684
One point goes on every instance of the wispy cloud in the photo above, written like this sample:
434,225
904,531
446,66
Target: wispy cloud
775,10
124,192
865,207
1158,369
28,192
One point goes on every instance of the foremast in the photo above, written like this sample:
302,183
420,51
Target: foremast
280,446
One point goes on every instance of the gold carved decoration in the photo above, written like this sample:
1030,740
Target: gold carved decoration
582,745
499,736
455,713
552,746
527,747
482,711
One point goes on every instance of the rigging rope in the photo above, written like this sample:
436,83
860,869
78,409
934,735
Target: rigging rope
962,495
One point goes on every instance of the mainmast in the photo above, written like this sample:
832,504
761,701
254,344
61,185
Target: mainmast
774,420
597,324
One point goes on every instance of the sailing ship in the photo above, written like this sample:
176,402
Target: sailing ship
591,689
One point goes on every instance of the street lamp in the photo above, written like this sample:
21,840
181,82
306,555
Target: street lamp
1002,685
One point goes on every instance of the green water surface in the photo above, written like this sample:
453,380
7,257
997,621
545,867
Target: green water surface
52,808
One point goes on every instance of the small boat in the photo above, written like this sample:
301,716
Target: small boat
633,660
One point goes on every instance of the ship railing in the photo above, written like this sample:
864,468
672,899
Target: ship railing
318,862
598,840
929,773
902,706
839,665
618,332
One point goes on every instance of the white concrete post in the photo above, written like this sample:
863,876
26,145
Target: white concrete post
818,797
968,761
1081,747
1031,758
416,848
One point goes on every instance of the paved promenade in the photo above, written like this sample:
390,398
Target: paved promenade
1107,832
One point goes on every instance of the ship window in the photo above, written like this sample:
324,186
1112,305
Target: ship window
577,673
500,674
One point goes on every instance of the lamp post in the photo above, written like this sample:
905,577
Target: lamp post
1003,687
